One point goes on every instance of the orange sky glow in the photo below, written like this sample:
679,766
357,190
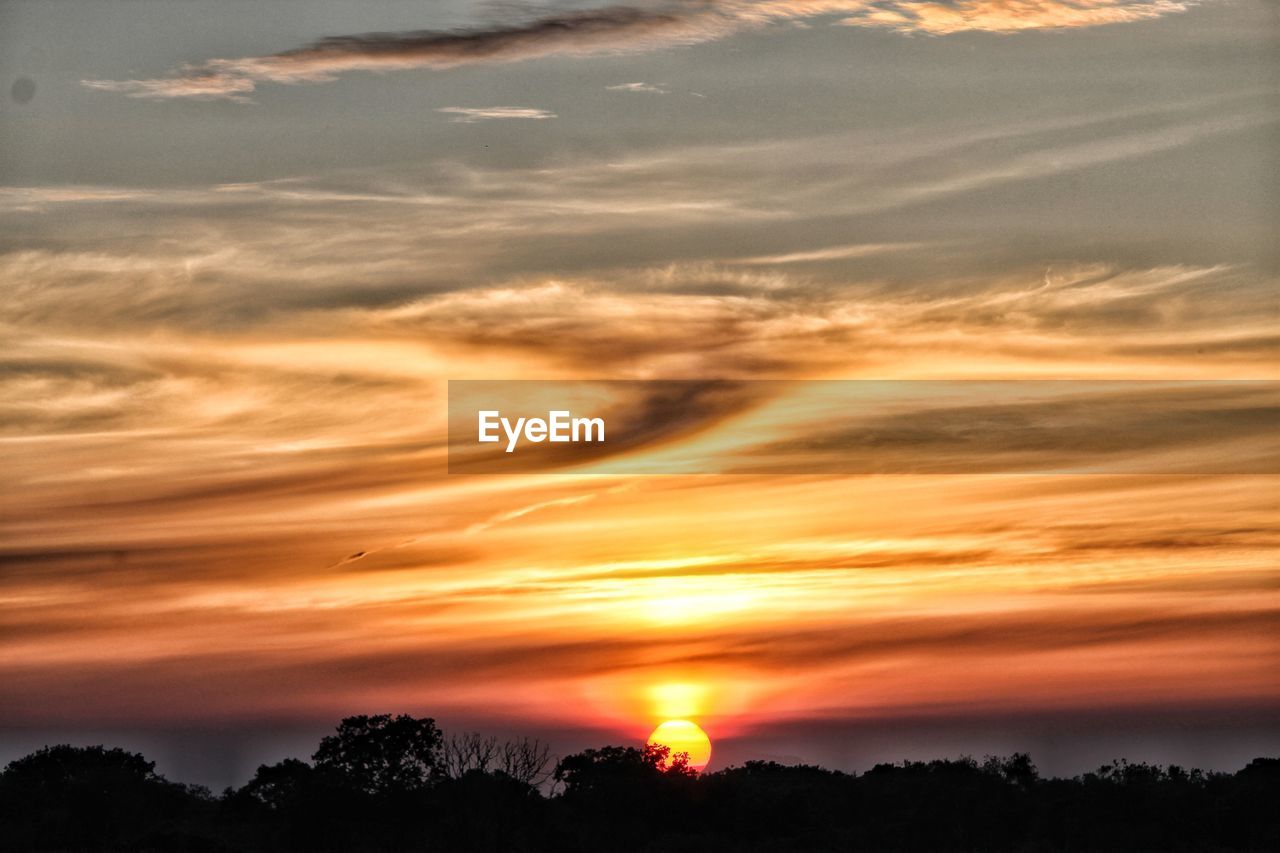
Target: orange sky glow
237,287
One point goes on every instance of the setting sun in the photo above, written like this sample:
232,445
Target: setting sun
684,736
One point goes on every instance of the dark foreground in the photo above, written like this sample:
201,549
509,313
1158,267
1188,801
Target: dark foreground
397,784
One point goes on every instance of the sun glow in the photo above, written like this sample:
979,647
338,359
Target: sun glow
677,700
684,736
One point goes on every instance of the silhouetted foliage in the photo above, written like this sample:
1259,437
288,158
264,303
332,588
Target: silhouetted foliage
383,754
93,798
622,793
395,784
481,811
296,806
278,786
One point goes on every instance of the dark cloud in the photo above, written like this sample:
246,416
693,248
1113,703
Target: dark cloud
613,28
569,33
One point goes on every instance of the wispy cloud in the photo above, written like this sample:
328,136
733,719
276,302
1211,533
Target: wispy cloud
832,253
469,115
521,512
613,29
196,86
639,87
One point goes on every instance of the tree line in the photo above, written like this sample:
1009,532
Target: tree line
384,783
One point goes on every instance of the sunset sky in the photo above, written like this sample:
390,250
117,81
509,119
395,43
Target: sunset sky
244,246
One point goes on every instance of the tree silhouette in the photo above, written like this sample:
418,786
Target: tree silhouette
526,760
57,768
1017,769
467,752
624,794
387,784
277,786
67,797
610,766
383,754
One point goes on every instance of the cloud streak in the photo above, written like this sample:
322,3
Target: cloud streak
614,29
471,115
639,87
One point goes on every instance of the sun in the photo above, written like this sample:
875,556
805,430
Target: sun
684,736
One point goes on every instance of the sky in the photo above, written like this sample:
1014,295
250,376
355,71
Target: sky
244,246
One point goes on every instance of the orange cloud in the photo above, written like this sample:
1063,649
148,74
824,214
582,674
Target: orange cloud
1007,16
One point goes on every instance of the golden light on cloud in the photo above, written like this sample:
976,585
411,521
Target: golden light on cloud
682,600
678,699
683,736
